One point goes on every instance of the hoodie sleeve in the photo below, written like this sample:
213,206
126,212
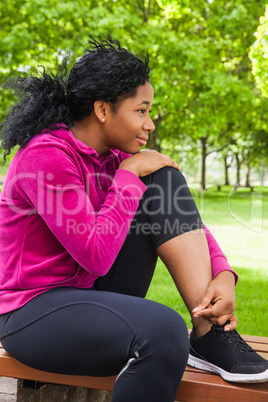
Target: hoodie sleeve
219,261
51,180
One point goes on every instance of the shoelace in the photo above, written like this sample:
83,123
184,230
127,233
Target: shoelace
233,337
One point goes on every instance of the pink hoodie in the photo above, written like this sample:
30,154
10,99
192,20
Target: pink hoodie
53,232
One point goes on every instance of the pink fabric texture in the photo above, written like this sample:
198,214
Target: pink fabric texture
64,215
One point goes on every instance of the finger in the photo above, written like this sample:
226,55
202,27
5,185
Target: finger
204,303
176,165
222,320
169,162
221,309
232,324
206,313
216,311
217,314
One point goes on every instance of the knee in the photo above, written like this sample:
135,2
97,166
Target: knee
167,339
172,335
163,175
169,174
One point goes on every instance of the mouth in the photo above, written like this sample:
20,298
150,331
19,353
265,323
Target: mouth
142,140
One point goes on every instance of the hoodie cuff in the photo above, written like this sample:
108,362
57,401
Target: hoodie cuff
219,264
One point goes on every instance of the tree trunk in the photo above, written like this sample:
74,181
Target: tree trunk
203,167
248,174
226,171
238,167
146,11
152,141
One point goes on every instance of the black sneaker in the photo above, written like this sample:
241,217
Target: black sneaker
227,354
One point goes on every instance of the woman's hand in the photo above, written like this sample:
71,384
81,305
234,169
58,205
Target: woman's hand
218,302
146,162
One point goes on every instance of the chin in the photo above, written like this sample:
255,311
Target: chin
130,150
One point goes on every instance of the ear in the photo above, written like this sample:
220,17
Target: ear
101,110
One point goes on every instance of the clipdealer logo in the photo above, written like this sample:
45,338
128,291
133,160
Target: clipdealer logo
250,217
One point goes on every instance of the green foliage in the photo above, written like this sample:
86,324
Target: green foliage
258,55
199,50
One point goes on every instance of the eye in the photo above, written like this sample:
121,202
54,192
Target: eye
142,111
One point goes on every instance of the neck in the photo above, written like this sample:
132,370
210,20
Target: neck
89,132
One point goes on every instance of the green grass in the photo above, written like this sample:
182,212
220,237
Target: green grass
239,221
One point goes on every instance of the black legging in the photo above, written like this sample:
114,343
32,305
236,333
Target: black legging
111,328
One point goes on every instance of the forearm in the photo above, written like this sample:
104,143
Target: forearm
91,231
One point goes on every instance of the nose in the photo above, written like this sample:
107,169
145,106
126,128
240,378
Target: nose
148,124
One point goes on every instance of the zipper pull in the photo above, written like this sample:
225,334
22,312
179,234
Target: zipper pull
98,179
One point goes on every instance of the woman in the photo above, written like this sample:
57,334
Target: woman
84,216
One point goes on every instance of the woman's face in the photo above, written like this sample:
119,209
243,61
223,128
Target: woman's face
128,128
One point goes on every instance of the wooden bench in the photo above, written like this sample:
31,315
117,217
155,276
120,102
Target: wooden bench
196,385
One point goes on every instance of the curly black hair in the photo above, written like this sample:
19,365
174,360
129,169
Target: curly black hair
106,72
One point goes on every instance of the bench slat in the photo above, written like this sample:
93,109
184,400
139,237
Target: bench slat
196,385
203,386
253,338
10,367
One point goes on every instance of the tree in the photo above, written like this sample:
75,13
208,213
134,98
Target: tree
213,72
227,159
198,51
258,55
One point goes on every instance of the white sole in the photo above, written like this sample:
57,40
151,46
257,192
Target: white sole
232,377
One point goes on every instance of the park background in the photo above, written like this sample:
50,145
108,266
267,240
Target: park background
209,70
